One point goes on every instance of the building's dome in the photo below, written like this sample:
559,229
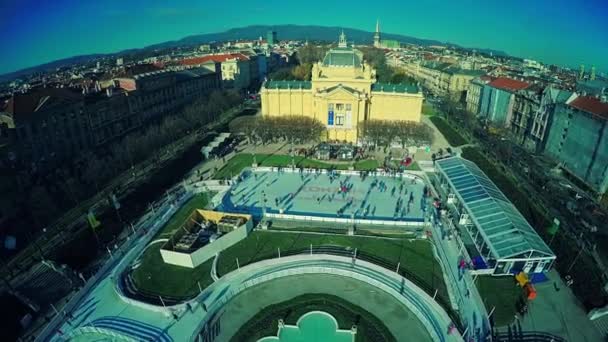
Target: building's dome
342,57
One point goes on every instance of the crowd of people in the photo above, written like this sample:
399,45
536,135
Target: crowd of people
354,193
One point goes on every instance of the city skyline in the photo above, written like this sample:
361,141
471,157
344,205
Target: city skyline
552,32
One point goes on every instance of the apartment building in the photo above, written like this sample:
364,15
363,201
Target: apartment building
53,124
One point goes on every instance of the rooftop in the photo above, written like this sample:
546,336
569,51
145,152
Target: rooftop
396,88
41,98
214,58
505,230
342,56
455,70
288,85
509,84
591,105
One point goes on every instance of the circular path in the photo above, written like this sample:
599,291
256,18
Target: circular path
399,320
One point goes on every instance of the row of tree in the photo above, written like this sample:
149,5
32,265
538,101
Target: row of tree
269,129
302,72
66,186
302,129
386,132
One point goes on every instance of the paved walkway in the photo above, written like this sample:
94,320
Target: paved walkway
400,321
559,312
463,290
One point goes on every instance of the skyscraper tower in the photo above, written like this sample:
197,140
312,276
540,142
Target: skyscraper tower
581,73
592,77
377,35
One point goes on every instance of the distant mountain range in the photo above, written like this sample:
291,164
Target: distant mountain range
284,32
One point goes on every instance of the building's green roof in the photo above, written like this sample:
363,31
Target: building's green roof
396,88
342,57
288,85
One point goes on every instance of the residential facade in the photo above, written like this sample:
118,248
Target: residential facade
454,82
498,99
444,79
342,94
50,124
542,118
474,93
526,105
578,139
235,68
53,124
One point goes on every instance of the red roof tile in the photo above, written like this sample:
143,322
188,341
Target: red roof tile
509,84
213,58
591,105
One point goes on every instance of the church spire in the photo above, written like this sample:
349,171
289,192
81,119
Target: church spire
377,38
342,43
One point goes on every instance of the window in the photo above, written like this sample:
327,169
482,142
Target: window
348,107
330,107
339,107
339,120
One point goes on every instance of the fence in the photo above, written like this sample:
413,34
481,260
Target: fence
355,221
440,297
113,261
387,280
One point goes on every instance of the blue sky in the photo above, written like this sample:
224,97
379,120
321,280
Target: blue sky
553,31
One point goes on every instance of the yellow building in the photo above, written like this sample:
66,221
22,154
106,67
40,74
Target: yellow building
342,94
443,79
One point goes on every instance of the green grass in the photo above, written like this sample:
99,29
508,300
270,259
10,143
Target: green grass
366,165
415,256
429,109
199,201
413,167
265,323
155,277
454,138
501,293
242,160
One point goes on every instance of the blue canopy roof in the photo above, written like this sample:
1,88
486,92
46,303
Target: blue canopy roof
505,230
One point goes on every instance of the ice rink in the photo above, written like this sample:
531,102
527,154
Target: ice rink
374,197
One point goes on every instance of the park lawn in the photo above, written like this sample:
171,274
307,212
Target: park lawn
415,256
155,277
454,138
199,201
428,109
502,294
242,160
366,165
413,167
